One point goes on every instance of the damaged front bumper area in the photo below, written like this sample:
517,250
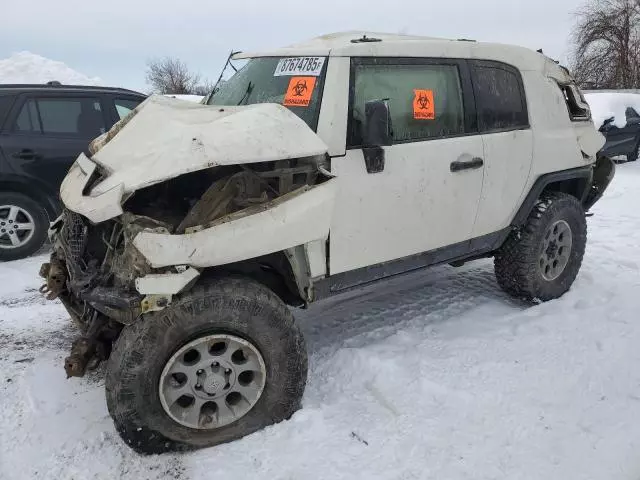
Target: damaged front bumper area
92,271
117,257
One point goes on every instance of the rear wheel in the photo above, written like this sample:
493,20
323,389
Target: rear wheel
542,260
223,361
23,226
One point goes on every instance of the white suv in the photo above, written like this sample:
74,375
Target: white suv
315,169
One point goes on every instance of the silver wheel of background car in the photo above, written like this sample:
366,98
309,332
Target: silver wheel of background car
212,381
16,226
556,250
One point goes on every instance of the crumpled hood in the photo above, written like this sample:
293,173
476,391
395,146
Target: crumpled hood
167,137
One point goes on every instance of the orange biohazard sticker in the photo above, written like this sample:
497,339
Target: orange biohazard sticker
423,105
299,91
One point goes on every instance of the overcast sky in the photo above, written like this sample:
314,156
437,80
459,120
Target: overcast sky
114,39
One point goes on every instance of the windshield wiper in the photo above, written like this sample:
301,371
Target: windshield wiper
228,63
246,93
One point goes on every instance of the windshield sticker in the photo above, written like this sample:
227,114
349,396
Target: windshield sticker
299,92
299,66
423,105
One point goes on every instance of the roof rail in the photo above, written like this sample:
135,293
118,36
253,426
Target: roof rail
60,86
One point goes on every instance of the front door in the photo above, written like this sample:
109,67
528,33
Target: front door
427,195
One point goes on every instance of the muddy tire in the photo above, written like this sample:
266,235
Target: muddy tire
542,259
238,309
17,209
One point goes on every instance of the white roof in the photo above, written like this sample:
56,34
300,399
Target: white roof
393,45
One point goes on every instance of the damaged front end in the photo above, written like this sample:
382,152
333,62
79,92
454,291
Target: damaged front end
127,247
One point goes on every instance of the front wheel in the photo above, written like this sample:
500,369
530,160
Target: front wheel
223,361
542,260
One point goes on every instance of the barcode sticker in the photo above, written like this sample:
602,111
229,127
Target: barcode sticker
294,66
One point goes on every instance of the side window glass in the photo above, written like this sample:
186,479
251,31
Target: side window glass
28,120
425,100
6,101
124,106
71,116
500,99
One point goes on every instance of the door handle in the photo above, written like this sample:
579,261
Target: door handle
27,154
473,164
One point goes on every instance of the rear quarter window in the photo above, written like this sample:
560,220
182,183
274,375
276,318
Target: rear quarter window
500,97
576,103
6,102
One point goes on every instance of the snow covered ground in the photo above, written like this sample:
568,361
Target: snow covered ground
437,375
27,67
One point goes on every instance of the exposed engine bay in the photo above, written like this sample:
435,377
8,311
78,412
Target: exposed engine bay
94,268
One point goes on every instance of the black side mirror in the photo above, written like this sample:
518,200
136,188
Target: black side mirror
377,133
377,127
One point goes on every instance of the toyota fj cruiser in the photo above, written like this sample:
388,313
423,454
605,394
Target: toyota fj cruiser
190,229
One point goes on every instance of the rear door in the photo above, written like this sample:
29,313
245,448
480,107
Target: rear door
508,143
47,132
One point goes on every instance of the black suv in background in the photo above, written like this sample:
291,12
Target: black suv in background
43,129
622,141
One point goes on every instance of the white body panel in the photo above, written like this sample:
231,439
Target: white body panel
292,220
558,143
507,165
97,208
416,204
332,124
166,283
168,137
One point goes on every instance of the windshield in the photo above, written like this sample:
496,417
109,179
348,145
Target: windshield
295,82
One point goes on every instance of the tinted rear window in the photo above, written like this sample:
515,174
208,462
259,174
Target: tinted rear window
6,101
500,97
81,117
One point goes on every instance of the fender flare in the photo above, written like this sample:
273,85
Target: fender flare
584,174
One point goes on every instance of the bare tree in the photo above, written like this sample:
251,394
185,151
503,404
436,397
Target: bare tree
171,75
205,88
606,42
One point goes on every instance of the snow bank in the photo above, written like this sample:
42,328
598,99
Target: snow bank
27,67
611,104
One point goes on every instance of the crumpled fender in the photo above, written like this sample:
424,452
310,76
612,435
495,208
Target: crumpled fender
97,208
296,218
